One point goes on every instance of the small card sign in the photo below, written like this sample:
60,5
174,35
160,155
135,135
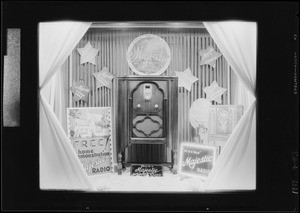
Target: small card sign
209,56
196,160
146,169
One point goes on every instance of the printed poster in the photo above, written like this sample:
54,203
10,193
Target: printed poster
89,131
224,118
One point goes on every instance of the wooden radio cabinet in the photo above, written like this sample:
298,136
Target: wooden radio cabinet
147,119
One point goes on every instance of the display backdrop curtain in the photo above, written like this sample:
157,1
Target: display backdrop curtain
60,168
235,168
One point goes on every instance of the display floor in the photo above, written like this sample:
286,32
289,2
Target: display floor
125,183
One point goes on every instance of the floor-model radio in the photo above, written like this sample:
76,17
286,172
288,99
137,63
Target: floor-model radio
147,120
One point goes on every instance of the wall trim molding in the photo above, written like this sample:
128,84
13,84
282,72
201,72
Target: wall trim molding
148,24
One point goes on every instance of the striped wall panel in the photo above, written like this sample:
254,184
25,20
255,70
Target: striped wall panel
184,45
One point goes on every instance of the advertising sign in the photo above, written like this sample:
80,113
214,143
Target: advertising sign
89,130
146,170
148,55
224,118
196,160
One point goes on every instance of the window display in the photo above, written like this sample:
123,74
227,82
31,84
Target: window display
148,109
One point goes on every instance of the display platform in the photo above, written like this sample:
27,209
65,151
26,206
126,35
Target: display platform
169,182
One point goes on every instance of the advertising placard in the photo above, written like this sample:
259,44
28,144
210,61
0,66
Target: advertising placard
223,118
89,131
146,170
196,160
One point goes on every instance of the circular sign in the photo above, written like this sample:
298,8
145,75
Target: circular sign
148,55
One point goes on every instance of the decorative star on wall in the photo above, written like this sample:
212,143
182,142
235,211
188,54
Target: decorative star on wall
214,92
186,79
209,56
88,54
104,78
80,91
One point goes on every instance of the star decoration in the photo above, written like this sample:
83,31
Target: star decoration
214,92
80,91
209,56
88,54
186,79
104,78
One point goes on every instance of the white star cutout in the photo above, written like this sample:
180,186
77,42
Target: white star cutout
186,79
88,54
104,78
80,91
209,56
214,92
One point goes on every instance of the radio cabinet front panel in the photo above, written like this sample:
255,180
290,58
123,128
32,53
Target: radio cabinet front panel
147,118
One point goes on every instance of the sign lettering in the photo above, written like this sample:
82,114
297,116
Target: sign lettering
196,160
90,135
148,55
146,170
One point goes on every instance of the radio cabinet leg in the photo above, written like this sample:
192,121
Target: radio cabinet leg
119,163
174,170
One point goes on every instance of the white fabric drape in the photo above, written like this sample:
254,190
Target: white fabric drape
56,92
56,41
236,166
240,95
60,167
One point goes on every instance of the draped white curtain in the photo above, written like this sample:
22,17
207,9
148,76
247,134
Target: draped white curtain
240,95
56,93
60,168
236,166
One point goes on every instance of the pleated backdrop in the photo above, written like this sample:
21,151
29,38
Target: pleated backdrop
184,45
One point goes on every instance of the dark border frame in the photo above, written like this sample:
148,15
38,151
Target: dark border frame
277,106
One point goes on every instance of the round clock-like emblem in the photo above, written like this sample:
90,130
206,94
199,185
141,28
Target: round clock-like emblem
200,112
148,55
